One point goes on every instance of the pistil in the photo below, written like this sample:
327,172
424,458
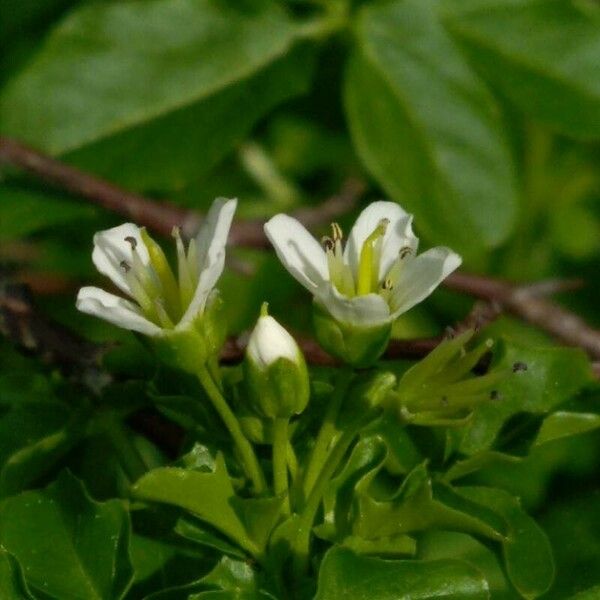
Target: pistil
370,255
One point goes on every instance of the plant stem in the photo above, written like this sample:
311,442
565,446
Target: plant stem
248,457
280,474
301,544
292,461
327,431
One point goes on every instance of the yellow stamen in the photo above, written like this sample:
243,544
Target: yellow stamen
368,265
161,266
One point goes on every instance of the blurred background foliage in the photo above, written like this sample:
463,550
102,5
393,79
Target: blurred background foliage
480,116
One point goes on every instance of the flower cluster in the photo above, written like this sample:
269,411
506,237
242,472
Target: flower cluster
359,287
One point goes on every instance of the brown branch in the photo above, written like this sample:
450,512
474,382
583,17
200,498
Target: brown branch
162,216
526,304
159,216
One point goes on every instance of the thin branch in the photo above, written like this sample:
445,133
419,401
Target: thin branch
159,216
559,322
524,303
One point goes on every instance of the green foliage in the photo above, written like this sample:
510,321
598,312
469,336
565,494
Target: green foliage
69,546
406,77
346,575
471,474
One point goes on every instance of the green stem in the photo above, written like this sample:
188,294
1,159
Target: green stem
292,461
326,433
280,474
129,457
248,457
301,544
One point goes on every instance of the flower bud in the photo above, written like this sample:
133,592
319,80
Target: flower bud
356,345
276,374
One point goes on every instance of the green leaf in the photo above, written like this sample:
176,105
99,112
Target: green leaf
591,594
565,424
70,547
544,379
427,129
208,495
544,55
199,535
527,551
573,526
23,212
149,93
33,437
346,575
12,582
420,505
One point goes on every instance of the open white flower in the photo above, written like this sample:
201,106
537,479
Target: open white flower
376,277
157,299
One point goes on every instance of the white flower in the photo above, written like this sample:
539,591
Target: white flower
270,341
157,299
376,277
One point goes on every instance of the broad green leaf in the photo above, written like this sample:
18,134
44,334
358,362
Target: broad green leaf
200,535
478,461
208,495
12,582
565,424
390,546
427,129
544,55
591,594
420,505
152,93
442,545
346,575
573,526
33,437
259,515
527,551
23,212
543,379
70,547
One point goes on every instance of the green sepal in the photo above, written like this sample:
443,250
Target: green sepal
356,345
189,347
279,390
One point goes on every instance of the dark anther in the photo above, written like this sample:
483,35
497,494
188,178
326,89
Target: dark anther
519,366
328,244
404,252
132,241
495,395
125,266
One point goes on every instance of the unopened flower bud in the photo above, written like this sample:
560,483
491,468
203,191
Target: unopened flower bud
276,374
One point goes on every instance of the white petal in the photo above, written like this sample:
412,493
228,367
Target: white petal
115,310
366,310
111,248
420,276
211,241
399,233
298,251
270,341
